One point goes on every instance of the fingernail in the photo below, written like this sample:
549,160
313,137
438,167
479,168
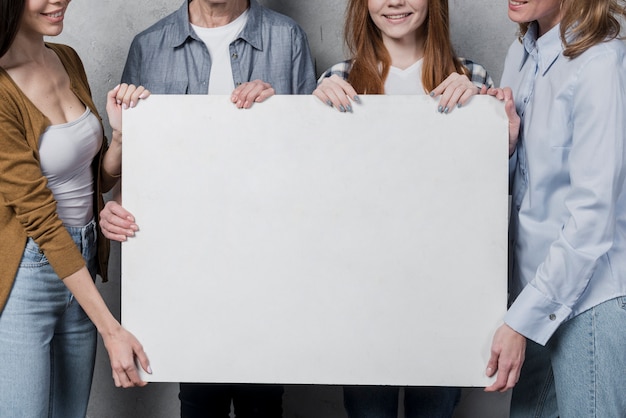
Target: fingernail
440,109
357,99
349,108
132,104
124,106
149,370
432,94
446,110
116,87
341,108
329,103
458,106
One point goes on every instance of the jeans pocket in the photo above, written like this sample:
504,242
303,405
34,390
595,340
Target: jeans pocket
33,257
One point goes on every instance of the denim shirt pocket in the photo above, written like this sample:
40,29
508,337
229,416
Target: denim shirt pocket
33,256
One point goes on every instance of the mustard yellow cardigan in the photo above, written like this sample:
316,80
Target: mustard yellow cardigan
27,207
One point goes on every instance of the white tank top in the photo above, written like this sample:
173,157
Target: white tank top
67,151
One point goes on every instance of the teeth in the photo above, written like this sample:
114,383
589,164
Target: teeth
516,3
403,15
57,14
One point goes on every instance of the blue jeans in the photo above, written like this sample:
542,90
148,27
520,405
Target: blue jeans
47,342
581,372
212,400
382,401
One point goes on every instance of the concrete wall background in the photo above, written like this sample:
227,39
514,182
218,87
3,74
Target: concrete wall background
101,32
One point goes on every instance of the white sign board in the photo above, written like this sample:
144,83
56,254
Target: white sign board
291,243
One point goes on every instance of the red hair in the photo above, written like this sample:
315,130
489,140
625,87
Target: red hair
371,60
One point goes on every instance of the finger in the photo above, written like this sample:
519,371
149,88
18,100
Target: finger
444,85
337,92
346,87
133,377
248,100
115,233
116,380
320,94
143,360
118,210
242,91
127,95
136,95
265,94
121,92
450,98
468,94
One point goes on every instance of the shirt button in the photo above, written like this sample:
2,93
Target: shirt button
235,56
238,83
552,317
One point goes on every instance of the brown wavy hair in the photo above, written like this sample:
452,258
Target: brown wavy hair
586,23
11,12
371,60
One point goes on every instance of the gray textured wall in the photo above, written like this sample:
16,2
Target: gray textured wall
101,32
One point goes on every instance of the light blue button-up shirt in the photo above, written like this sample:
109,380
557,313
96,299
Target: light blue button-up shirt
170,58
568,219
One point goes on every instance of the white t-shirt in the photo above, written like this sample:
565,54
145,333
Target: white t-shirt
407,81
218,41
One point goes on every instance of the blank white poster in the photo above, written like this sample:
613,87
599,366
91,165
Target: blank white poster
292,243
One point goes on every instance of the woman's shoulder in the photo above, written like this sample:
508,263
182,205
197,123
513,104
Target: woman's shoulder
477,73
65,52
341,69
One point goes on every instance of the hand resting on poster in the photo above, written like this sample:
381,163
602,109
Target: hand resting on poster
454,91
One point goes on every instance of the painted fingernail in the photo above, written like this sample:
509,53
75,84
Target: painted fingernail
357,99
440,109
458,106
341,108
349,108
329,103
432,94
446,110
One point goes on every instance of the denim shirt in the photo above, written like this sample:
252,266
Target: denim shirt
568,218
169,58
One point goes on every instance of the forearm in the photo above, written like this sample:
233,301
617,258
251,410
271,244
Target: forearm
83,288
112,162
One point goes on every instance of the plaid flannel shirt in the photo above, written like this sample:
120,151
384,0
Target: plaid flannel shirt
478,73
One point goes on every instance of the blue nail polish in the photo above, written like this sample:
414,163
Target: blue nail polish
349,108
329,103
341,108
432,94
446,110
458,106
357,99
440,109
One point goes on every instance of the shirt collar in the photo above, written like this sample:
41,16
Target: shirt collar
251,33
545,50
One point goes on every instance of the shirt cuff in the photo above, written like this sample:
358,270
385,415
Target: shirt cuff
536,316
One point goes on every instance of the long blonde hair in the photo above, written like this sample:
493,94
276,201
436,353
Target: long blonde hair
586,23
365,43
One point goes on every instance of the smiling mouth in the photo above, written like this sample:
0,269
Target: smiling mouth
516,3
54,15
398,16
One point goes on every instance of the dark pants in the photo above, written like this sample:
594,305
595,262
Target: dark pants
382,401
207,400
